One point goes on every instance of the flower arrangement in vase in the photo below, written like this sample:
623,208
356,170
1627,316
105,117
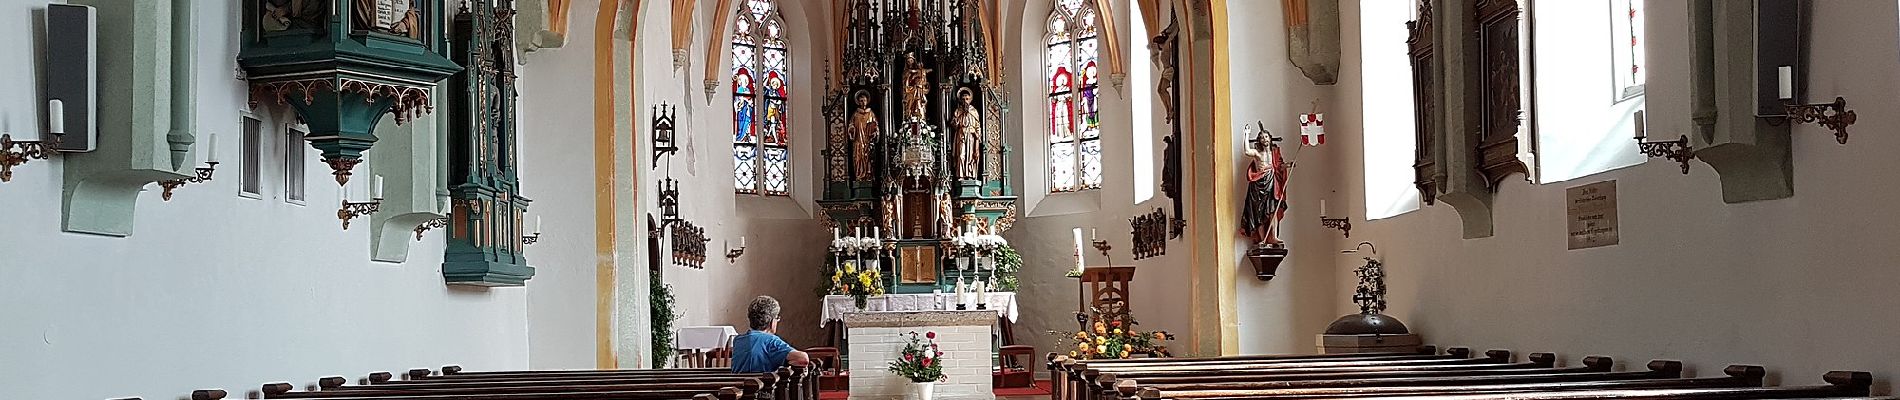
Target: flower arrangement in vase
920,362
1116,338
860,284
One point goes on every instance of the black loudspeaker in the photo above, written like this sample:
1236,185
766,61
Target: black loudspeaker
72,74
1778,48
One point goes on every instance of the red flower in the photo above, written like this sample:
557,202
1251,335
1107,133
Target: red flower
1115,324
931,335
907,357
926,363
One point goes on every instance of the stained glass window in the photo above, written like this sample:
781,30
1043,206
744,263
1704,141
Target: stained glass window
1626,27
1074,129
761,77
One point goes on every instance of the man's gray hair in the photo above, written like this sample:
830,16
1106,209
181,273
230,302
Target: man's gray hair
762,313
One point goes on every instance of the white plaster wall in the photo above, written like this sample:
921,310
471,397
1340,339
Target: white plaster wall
557,171
216,290
1798,284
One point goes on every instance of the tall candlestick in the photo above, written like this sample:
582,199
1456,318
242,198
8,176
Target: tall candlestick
960,290
875,234
56,117
1786,73
1078,249
834,233
857,231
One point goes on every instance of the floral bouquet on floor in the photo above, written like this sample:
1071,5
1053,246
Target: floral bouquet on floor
859,284
1116,338
920,361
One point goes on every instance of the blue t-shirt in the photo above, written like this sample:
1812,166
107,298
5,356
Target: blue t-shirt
758,351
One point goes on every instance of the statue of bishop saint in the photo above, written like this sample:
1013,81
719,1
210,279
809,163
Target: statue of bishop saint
969,128
864,132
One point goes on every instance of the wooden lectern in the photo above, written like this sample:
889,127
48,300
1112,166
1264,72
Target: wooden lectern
1107,292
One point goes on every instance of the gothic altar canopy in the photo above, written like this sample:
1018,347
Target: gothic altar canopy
914,142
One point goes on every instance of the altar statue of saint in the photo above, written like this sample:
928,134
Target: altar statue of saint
1265,207
916,88
969,127
864,131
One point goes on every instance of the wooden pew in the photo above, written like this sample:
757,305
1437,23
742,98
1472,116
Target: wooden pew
1107,385
1738,376
721,394
1085,377
1070,380
790,383
1840,385
748,388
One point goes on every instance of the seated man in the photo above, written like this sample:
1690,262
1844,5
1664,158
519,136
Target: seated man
761,350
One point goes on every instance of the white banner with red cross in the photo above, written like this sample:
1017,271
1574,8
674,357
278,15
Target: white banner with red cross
1313,129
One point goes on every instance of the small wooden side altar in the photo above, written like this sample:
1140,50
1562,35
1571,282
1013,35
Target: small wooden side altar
963,336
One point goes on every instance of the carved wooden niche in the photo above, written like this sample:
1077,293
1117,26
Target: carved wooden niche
1499,82
1424,106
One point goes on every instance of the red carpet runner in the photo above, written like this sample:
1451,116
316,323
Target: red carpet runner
1041,389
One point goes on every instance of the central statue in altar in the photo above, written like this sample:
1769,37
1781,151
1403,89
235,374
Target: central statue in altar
914,144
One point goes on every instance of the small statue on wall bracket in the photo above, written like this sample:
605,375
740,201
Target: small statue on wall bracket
1264,209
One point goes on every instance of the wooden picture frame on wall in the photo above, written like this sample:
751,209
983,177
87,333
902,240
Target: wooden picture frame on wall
1500,82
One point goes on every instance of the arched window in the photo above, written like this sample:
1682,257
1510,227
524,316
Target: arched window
1069,63
760,85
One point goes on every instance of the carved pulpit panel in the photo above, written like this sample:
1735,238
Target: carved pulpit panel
1424,103
1500,83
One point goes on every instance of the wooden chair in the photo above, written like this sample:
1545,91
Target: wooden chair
1017,368
831,373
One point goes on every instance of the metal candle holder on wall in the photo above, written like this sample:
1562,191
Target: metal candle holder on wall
1103,246
352,210
1344,225
732,254
17,152
425,226
530,238
203,175
1835,116
1677,150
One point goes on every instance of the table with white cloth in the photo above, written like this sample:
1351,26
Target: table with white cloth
703,346
1003,303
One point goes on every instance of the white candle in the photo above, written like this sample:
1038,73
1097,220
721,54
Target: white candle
344,194
1092,234
857,231
376,187
537,225
742,242
1786,74
56,116
1322,208
875,234
834,234
211,147
960,290
1640,126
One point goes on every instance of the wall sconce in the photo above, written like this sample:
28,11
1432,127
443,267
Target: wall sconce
425,226
1344,225
663,137
204,174
732,254
1677,150
351,210
529,239
17,152
1835,116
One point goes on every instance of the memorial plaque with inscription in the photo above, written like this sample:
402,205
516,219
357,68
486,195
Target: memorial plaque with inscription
1591,215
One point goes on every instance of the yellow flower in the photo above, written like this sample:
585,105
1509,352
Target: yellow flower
1129,348
1118,331
1072,353
1081,336
1161,336
1101,349
1101,339
1082,347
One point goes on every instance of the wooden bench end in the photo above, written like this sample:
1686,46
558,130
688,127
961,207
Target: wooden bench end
1670,368
276,388
1458,352
451,369
331,382
207,394
1599,363
729,393
380,377
1500,355
1750,374
1861,379
1427,350
417,373
1545,360
1149,393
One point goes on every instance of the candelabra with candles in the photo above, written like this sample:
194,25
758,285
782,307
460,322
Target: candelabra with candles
1833,115
529,239
17,152
202,174
732,254
976,265
351,210
854,249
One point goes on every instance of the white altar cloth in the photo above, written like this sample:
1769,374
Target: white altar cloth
704,337
1003,303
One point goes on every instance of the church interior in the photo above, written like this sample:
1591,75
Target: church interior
956,199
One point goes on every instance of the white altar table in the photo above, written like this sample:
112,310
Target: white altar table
1002,303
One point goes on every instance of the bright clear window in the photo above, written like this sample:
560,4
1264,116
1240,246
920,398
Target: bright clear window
1588,86
1390,128
760,88
1069,65
1140,71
